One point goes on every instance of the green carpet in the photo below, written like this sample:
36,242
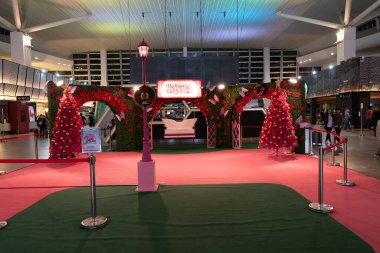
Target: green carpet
202,218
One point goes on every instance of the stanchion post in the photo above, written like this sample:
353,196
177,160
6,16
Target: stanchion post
110,138
36,143
3,224
344,181
311,142
320,206
333,163
94,221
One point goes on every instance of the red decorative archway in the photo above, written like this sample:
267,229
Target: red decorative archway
114,102
255,92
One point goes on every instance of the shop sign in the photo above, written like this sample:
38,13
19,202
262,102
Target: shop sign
23,98
179,88
91,141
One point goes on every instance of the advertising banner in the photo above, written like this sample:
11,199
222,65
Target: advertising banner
179,88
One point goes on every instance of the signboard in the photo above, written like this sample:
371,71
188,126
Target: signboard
91,141
23,98
179,88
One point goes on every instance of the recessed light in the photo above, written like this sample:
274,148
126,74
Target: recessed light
332,53
64,64
331,67
59,63
36,58
309,59
299,77
43,70
314,72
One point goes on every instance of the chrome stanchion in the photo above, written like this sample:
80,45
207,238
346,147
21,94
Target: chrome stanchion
320,206
93,221
3,224
344,181
333,163
311,153
36,144
110,138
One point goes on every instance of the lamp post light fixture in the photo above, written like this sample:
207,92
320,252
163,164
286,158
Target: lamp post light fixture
146,166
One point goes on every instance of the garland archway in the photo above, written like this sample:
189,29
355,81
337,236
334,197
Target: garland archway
245,97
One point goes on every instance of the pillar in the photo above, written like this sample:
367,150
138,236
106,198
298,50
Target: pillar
266,65
21,49
103,67
346,47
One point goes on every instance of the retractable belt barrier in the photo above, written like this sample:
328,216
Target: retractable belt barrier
92,222
320,206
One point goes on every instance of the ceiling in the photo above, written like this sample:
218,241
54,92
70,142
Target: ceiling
121,24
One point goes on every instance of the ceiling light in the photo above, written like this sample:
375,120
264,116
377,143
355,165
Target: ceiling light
299,77
314,72
331,67
36,58
309,59
332,53
59,63
43,70
64,64
57,74
293,80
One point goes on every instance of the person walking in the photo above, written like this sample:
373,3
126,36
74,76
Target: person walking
91,119
328,122
338,121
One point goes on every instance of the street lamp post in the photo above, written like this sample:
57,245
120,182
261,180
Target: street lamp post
146,166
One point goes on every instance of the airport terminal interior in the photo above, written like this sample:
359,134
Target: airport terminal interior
189,126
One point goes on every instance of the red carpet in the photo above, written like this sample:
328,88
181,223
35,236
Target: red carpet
355,207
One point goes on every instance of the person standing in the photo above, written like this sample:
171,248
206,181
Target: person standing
42,124
368,118
84,120
338,121
347,119
91,119
328,122
377,155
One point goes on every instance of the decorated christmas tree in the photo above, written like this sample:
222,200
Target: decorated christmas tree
277,132
66,141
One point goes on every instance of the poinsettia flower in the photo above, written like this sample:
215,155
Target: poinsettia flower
298,95
297,86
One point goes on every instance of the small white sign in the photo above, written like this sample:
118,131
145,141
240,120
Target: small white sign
179,88
91,141
361,105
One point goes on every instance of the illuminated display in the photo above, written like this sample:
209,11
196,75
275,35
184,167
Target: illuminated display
179,89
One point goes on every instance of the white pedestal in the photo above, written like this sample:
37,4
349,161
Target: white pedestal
146,176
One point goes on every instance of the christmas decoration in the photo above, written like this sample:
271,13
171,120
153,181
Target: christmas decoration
277,132
67,126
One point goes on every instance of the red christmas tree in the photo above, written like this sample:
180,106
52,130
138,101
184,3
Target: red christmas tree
277,131
67,126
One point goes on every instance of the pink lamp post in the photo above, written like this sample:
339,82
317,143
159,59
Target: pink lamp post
146,166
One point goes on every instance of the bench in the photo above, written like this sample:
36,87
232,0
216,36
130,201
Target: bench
179,129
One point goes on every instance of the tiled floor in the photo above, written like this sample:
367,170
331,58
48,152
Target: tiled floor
361,150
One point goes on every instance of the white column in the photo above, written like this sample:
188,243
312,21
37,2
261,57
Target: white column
266,65
103,67
184,51
346,48
21,49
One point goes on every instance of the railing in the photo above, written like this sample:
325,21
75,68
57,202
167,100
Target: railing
320,206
